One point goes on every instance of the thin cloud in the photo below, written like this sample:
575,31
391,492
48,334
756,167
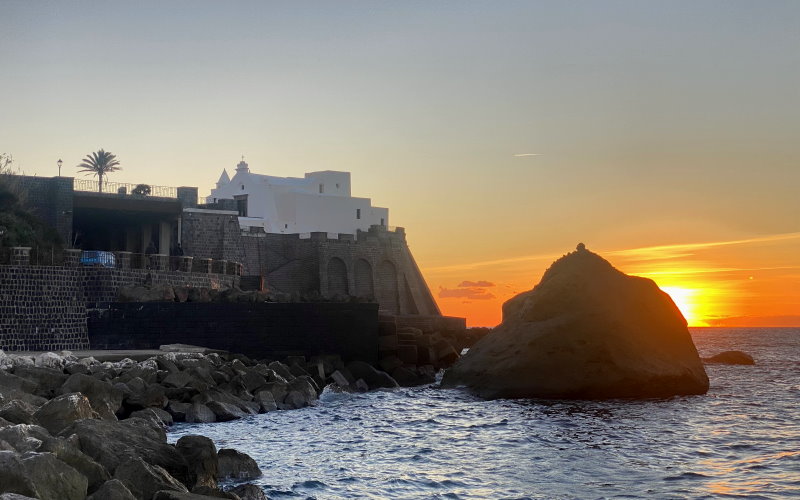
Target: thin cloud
464,293
520,155
475,284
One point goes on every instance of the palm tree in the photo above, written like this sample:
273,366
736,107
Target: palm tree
100,164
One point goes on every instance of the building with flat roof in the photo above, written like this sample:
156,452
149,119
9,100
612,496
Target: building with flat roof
319,202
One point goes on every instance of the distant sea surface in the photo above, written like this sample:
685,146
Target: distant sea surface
741,440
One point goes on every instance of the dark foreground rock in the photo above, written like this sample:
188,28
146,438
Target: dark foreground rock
586,331
731,358
237,465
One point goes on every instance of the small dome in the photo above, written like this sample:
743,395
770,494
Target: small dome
581,247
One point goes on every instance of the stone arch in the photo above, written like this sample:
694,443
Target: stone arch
387,293
337,277
363,279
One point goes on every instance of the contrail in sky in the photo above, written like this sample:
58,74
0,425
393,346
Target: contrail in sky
528,154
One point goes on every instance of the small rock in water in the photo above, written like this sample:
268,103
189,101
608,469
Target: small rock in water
236,465
731,358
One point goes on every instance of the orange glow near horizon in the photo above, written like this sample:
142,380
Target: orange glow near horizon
739,282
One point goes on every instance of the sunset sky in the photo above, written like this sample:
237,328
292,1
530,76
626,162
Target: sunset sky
663,135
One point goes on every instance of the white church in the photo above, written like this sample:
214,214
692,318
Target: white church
320,201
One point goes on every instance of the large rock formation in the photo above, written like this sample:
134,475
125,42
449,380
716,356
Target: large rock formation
586,331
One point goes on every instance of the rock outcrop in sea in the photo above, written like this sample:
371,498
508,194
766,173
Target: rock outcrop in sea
586,331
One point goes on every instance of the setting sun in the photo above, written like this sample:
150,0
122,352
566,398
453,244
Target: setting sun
687,301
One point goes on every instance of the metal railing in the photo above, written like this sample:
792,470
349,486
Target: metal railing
91,185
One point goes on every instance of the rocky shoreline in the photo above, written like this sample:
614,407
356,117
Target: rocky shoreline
79,428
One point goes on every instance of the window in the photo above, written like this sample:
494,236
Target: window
322,188
241,204
358,213
337,185
286,226
383,222
242,187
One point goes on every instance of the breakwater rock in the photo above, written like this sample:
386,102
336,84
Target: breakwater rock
730,358
74,428
586,331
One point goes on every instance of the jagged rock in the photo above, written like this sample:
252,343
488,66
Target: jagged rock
13,476
113,489
300,394
175,495
281,369
61,411
225,411
47,380
104,398
181,293
266,401
18,412
161,416
148,396
586,331
53,479
390,363
160,292
144,479
374,378
201,455
111,443
731,358
24,437
200,414
177,379
69,453
14,496
178,410
198,294
406,377
50,360
249,492
236,465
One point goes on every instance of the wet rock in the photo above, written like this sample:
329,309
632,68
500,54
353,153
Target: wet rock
586,331
225,411
201,455
175,495
145,396
104,398
281,370
236,465
177,379
374,378
13,476
731,358
112,443
208,491
178,410
18,412
200,413
406,377
144,479
266,401
14,496
390,363
54,480
113,489
61,411
300,394
249,492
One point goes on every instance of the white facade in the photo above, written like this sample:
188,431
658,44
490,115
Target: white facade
320,201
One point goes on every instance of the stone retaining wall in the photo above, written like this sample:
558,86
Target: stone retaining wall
45,307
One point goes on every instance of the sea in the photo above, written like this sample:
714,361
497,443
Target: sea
741,440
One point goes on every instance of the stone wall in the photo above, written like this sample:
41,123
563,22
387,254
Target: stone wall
46,307
376,264
256,329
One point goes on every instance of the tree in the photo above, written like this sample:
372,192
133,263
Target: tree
100,164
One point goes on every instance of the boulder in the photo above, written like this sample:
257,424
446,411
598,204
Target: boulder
61,411
163,417
374,378
586,331
13,476
54,480
225,411
112,443
24,437
104,398
113,489
266,401
210,492
236,465
69,453
731,358
144,480
18,412
145,396
177,379
14,496
178,410
201,455
176,495
47,380
249,492
200,414
281,369
301,393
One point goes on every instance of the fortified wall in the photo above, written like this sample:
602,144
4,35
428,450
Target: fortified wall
375,264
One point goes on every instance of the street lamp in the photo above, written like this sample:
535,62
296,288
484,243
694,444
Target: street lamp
59,162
